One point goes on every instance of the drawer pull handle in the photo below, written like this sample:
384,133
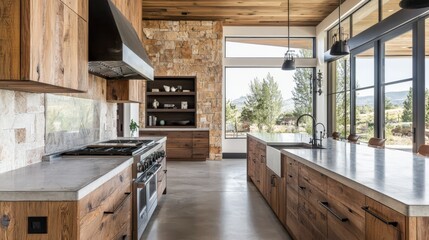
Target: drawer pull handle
302,188
120,204
366,209
290,176
326,206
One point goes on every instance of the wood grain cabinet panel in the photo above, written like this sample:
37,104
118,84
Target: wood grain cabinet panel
105,213
78,6
45,47
184,145
345,203
382,222
106,210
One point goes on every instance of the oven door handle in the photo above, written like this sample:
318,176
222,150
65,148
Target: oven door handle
140,184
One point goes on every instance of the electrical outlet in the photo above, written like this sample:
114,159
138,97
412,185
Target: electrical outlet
203,119
37,225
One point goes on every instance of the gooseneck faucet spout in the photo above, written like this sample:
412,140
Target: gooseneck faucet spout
313,140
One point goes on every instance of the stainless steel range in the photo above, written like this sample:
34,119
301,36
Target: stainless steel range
147,157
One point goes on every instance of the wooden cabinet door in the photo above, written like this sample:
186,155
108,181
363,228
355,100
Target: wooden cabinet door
383,223
346,218
58,49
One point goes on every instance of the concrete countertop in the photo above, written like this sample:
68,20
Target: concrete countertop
64,179
172,129
67,178
392,177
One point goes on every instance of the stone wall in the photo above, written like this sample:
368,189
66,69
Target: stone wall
22,123
191,48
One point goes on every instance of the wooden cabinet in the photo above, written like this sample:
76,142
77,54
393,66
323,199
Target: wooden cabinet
382,222
184,145
346,218
124,91
274,184
312,193
44,46
170,108
107,210
105,213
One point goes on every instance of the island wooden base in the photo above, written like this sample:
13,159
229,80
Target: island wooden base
311,205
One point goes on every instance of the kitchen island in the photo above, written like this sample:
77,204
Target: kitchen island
344,191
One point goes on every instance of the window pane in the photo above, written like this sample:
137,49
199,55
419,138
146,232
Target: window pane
365,69
390,7
268,47
365,17
398,59
427,81
365,114
398,115
266,100
341,110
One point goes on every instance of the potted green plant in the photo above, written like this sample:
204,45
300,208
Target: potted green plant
133,127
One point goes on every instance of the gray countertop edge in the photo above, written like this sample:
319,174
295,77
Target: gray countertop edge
173,129
408,210
64,195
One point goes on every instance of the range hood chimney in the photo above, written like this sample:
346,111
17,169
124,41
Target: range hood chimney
115,50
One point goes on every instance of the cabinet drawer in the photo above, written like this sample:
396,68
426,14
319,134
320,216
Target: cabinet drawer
201,134
312,178
292,201
292,166
118,218
200,143
383,222
110,195
179,153
311,194
292,180
293,224
313,219
179,135
184,143
346,203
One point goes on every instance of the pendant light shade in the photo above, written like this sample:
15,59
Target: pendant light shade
288,64
289,61
340,46
414,4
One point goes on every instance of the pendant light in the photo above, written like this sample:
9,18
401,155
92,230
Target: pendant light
289,61
340,46
414,4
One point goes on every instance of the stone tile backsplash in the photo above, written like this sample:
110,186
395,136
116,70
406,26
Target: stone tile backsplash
22,127
70,121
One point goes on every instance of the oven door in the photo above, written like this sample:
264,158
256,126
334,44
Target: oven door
146,200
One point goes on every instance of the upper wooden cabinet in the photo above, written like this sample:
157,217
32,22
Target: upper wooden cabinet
123,91
44,46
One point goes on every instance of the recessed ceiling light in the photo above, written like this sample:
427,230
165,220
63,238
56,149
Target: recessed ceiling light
390,10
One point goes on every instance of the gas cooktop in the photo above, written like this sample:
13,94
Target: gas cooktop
124,147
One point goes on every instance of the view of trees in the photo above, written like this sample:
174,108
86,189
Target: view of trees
264,106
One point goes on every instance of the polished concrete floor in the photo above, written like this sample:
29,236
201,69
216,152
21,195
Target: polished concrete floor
212,200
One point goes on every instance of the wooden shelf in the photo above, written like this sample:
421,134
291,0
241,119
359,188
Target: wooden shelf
171,115
169,110
170,93
172,126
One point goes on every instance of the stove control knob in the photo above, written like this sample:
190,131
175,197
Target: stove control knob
139,167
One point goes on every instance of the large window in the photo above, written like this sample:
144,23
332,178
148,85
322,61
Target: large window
339,93
398,91
365,17
364,94
389,86
266,100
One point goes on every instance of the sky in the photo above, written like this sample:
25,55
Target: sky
238,79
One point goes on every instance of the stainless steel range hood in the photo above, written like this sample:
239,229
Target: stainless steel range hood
115,50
